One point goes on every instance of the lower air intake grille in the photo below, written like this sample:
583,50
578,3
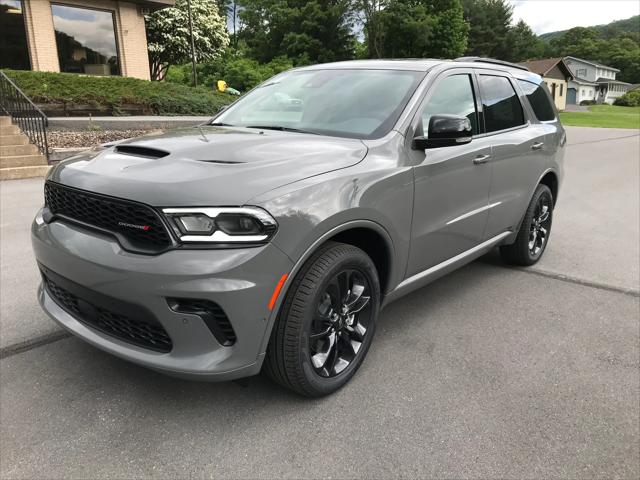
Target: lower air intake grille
129,323
137,226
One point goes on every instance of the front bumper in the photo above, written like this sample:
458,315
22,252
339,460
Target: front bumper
241,281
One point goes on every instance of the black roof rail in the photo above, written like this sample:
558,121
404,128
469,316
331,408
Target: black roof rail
493,61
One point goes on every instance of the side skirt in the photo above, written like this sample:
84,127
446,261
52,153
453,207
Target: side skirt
433,273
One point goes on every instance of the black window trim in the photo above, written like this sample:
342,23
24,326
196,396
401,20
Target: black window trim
517,91
116,31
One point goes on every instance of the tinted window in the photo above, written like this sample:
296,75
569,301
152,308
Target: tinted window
339,102
501,106
452,96
539,100
13,37
86,40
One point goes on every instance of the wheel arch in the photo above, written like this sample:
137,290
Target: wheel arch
550,179
367,235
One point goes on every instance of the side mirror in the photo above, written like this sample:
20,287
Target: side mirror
445,131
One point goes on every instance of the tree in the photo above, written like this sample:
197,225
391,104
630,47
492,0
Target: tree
450,31
418,28
489,22
523,43
168,35
368,13
305,31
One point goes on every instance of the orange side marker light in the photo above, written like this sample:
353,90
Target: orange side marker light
276,292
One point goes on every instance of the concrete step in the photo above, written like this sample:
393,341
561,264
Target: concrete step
19,139
9,130
14,150
16,173
22,161
5,121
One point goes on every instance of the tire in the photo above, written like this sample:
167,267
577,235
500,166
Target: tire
535,230
313,336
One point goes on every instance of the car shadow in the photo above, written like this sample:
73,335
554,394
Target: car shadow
397,323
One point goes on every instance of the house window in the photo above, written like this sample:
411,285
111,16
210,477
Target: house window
561,88
14,52
86,40
581,72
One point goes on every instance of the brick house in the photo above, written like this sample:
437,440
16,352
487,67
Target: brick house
89,37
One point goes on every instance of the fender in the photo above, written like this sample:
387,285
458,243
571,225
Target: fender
305,256
512,238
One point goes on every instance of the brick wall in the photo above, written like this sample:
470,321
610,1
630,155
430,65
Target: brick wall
130,35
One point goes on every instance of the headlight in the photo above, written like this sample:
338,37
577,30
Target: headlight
221,225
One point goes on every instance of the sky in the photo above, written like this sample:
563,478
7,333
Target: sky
550,15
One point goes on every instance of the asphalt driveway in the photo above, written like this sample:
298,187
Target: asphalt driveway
489,372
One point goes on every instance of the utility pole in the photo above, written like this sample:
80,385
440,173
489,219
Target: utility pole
193,47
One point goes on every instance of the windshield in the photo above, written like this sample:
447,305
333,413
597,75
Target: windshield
343,103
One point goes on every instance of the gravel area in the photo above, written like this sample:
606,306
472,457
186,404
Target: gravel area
89,138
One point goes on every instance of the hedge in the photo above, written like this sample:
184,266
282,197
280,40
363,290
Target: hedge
71,94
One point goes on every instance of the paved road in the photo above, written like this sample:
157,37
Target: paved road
489,372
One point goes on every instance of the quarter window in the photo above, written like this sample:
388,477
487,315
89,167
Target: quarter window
452,96
86,40
502,108
539,100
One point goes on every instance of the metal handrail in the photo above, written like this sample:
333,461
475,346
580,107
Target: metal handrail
32,121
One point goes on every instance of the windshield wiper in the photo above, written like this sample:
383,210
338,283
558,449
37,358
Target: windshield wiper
281,129
220,124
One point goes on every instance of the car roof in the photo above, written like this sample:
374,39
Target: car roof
424,65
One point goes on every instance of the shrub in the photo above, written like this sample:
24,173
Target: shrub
587,102
64,92
239,72
629,99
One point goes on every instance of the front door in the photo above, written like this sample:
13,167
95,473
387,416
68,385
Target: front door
451,183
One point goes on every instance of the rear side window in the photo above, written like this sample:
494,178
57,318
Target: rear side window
502,108
539,100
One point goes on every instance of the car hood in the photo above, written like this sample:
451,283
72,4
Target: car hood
206,165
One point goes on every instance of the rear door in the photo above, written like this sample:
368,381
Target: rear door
451,183
518,147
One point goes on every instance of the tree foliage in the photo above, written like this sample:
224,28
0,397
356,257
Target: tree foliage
313,31
489,22
417,28
168,37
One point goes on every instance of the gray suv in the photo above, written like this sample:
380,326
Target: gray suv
270,237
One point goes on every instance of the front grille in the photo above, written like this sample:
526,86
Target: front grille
212,315
137,226
136,326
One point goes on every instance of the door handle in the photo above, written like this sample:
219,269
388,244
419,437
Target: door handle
537,146
480,159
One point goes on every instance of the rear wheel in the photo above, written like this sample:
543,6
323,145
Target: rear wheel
326,323
534,232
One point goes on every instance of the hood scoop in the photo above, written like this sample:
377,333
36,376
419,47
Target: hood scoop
139,151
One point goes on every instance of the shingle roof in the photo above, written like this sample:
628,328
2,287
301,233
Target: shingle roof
593,63
542,67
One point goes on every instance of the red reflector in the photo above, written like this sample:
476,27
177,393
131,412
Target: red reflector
276,292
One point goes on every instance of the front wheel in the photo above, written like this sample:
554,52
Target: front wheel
326,323
534,232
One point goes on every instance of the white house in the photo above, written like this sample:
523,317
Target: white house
593,81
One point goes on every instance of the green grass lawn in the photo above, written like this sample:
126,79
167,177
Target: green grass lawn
605,116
